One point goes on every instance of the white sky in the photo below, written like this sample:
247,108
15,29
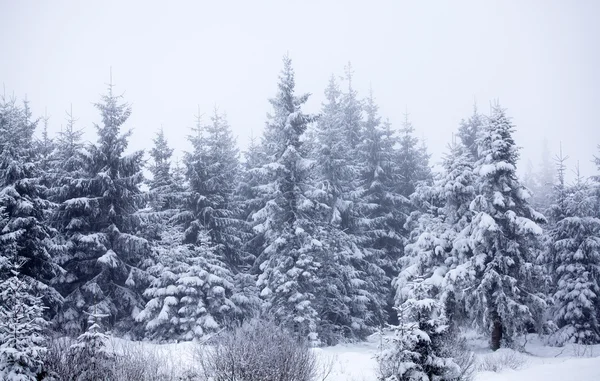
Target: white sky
541,59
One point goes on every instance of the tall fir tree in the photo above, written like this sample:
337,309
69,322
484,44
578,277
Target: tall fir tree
575,249
212,172
98,218
24,233
291,253
353,291
502,239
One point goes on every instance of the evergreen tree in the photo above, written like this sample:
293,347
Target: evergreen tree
67,159
291,253
351,118
98,219
383,210
89,354
433,252
412,160
576,250
162,187
24,234
45,147
502,239
418,350
353,289
190,295
468,132
22,342
212,172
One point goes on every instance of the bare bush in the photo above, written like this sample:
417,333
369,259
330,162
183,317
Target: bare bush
259,350
500,360
129,362
462,356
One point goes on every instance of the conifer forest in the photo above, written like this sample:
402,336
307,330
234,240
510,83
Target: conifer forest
329,229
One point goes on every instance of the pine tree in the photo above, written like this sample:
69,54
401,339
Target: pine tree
190,295
382,209
433,252
212,172
576,250
468,132
22,341
67,163
353,291
162,187
89,354
290,254
351,108
418,350
45,147
98,219
24,234
502,239
412,160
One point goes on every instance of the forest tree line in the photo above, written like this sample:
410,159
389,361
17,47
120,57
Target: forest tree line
334,225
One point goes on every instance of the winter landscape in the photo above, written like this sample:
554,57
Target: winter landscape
288,217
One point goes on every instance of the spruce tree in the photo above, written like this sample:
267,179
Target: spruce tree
24,233
89,354
98,219
502,239
190,295
418,350
382,209
575,248
290,254
353,291
212,172
22,324
468,132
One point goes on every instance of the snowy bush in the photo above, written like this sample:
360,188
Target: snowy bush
130,362
258,350
501,359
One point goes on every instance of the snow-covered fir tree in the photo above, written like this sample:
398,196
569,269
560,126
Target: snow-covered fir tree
212,172
190,295
24,233
22,324
412,160
162,188
419,350
502,239
352,109
354,286
382,209
575,249
45,147
290,254
433,251
98,219
468,132
89,354
67,160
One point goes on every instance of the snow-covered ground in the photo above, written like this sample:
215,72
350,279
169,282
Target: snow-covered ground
356,362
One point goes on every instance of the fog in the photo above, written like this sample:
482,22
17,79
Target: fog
540,59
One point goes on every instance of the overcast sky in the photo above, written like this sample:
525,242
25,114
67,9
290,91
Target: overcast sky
541,59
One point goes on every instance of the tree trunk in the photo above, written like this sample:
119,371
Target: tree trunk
496,331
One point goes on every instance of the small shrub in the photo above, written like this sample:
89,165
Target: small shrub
128,362
501,359
258,350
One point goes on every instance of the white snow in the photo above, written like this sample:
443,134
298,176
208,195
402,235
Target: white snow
356,361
